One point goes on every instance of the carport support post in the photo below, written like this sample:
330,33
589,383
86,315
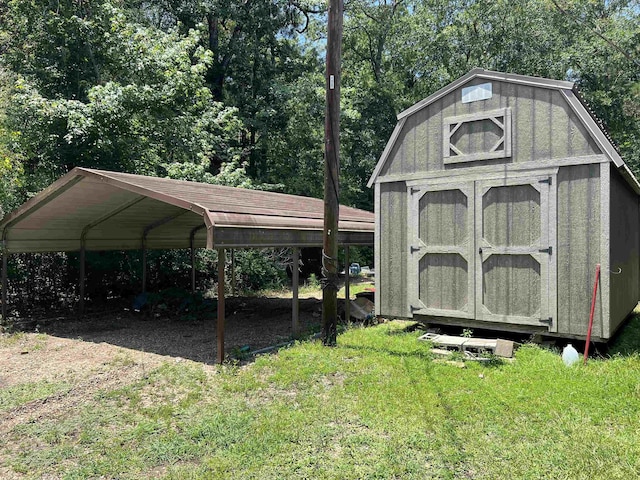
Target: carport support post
5,323
295,279
221,261
81,281
347,293
144,268
193,262
233,272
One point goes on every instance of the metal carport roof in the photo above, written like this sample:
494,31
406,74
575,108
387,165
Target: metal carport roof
118,211
99,210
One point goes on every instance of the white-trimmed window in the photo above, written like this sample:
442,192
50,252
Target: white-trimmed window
477,136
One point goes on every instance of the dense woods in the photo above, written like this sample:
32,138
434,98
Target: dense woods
231,91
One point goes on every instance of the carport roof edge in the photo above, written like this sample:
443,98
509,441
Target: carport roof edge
106,210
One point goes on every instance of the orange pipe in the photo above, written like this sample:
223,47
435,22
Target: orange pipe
593,307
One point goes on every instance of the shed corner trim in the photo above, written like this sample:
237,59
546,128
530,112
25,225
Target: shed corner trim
592,127
387,151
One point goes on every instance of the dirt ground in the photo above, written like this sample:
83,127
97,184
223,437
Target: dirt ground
251,322
113,350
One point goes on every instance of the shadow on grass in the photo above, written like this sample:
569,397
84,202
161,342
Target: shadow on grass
425,355
627,341
410,327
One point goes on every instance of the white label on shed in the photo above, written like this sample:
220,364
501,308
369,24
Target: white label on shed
477,92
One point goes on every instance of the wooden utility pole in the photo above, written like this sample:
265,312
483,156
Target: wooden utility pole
331,174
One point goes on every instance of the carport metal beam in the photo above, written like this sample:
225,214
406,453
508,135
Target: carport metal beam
5,254
220,327
192,247
233,272
295,278
83,244
347,293
145,232
81,280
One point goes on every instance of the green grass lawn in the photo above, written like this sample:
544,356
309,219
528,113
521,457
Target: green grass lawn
376,406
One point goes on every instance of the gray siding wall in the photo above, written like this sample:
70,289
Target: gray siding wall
579,234
392,294
543,125
625,243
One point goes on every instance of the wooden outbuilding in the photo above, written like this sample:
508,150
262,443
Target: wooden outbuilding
495,199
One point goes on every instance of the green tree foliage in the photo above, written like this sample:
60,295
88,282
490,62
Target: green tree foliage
98,90
11,170
232,92
255,55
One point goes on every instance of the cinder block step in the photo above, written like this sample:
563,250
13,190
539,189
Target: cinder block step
499,347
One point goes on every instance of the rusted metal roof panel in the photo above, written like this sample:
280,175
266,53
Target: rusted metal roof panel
114,211
218,198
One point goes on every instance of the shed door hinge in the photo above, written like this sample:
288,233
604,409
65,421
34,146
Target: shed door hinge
547,320
413,309
547,250
546,180
414,190
414,249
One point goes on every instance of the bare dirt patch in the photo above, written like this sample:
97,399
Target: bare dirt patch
254,322
75,350
108,352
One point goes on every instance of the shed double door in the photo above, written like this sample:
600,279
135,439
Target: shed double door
484,250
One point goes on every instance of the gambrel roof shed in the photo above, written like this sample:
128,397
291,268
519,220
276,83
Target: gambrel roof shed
590,127
491,193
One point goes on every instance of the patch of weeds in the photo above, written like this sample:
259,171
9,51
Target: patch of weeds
456,355
491,359
11,397
122,359
313,282
9,339
39,342
240,353
406,327
356,288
